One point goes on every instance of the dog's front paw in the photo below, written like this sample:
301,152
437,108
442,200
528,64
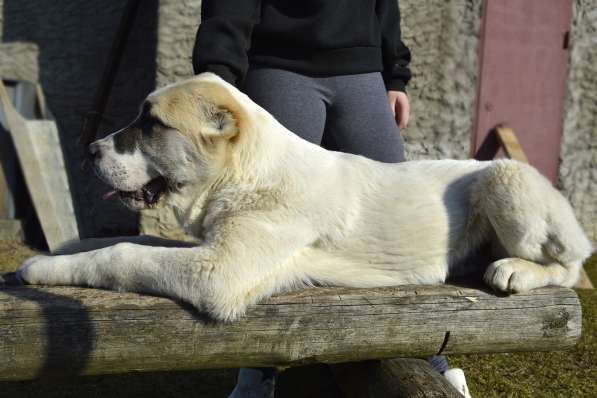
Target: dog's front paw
34,270
44,270
514,275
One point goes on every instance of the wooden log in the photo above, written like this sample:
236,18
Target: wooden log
392,378
67,330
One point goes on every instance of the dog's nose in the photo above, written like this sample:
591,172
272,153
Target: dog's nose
94,150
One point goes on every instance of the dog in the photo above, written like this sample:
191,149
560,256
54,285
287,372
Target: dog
272,212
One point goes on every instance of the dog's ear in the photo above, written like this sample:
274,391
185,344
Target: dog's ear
220,123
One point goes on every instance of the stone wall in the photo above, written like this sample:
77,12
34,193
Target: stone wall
443,38
74,37
578,169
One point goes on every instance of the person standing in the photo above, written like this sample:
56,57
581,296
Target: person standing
333,72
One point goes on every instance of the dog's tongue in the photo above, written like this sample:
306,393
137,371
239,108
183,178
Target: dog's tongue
153,188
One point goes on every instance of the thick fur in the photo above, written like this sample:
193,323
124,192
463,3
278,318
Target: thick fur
272,212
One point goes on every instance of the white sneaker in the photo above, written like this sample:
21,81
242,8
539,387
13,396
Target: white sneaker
455,376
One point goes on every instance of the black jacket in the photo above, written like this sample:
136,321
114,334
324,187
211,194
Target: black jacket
312,37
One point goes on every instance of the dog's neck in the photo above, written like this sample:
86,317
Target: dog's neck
266,160
269,148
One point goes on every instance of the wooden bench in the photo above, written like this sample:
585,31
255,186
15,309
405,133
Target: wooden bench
76,331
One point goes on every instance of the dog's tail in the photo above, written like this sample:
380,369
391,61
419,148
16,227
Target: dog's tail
532,220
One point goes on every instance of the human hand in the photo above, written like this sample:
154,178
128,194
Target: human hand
400,107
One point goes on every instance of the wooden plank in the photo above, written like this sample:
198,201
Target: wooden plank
511,145
67,330
38,148
584,282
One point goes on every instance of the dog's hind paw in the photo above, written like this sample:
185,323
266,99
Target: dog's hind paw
514,275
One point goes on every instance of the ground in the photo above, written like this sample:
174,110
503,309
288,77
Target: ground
555,374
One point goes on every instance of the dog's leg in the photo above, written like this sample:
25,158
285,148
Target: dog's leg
516,275
535,225
242,263
86,245
124,266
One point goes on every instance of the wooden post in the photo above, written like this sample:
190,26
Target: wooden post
67,330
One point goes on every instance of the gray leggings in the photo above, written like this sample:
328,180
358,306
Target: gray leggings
347,113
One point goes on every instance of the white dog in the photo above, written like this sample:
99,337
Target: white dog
272,212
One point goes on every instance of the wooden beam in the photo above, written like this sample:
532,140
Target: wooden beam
67,330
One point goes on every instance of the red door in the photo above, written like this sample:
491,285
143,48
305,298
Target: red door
523,69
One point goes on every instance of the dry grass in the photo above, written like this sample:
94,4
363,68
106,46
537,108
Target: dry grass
13,253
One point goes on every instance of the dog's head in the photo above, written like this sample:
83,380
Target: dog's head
181,139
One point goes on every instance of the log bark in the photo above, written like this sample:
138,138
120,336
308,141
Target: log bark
66,330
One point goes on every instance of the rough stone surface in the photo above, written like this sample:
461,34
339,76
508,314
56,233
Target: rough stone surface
443,37
74,38
18,61
178,21
578,168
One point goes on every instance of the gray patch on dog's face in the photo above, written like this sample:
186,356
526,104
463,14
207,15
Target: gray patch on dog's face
145,157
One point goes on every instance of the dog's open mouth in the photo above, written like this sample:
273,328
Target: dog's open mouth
149,193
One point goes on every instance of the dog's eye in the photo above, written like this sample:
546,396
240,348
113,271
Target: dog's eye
148,124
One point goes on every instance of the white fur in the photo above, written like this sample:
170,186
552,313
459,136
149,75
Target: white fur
274,212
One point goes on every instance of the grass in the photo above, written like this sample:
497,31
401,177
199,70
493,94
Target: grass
554,374
547,374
